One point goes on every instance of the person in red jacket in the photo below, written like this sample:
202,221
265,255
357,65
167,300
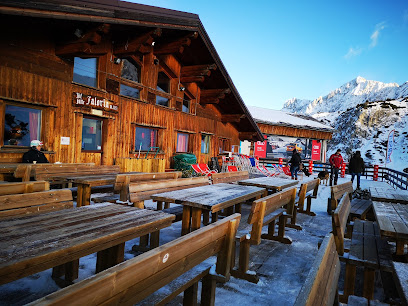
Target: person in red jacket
335,160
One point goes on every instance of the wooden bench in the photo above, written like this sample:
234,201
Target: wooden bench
320,287
36,202
366,249
359,207
56,173
264,211
229,177
122,181
175,267
23,187
312,188
139,192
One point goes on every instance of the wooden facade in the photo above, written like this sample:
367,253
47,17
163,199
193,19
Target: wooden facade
37,65
270,129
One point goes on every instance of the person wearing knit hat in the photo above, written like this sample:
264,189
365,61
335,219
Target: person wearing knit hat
335,160
34,155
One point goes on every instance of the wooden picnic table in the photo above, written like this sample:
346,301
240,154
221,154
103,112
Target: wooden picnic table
393,223
273,184
209,198
86,182
391,195
37,242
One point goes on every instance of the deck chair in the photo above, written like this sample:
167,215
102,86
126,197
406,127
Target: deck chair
262,168
203,169
232,168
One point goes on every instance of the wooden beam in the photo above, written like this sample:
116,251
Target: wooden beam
142,44
80,49
176,46
197,70
209,100
192,79
225,118
212,96
247,135
214,92
87,44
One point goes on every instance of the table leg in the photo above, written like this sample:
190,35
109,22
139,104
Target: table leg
400,244
159,205
206,217
72,270
368,287
110,257
185,222
86,195
154,239
195,218
79,195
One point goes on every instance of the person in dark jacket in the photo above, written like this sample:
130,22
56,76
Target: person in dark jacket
295,164
335,160
35,154
356,167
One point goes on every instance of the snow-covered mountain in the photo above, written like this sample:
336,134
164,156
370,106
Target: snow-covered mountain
363,112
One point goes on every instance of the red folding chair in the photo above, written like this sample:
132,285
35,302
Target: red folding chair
232,168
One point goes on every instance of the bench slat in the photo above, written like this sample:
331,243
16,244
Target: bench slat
135,279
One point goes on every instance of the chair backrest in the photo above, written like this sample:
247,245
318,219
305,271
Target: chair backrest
25,171
232,168
266,205
229,177
337,191
142,191
313,185
339,222
204,168
320,287
197,169
135,279
35,202
23,187
126,178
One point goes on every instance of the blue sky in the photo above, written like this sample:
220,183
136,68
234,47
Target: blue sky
277,50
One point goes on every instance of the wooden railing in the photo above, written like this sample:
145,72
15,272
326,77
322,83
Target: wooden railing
395,178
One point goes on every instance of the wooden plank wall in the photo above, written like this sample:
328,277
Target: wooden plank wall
31,75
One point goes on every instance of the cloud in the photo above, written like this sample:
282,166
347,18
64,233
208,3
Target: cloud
353,52
374,37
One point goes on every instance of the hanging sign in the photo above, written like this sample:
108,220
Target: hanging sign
316,149
390,146
94,102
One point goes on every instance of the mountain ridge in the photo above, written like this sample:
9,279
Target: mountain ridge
363,112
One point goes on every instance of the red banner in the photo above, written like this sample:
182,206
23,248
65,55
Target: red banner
316,149
260,149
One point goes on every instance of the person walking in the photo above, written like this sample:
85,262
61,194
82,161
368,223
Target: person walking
335,160
356,167
295,164
34,155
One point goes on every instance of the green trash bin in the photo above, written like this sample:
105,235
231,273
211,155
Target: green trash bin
183,162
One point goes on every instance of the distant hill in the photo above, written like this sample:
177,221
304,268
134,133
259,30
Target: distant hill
363,112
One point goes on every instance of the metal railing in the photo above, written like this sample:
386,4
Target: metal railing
395,178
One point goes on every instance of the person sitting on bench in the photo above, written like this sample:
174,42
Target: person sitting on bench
34,155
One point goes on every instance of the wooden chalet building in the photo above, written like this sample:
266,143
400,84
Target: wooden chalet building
284,131
107,81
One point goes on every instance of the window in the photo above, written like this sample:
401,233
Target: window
182,142
186,105
21,125
224,145
205,143
85,71
91,134
145,139
130,71
129,91
163,84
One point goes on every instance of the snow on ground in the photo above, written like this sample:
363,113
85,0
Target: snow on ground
282,268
